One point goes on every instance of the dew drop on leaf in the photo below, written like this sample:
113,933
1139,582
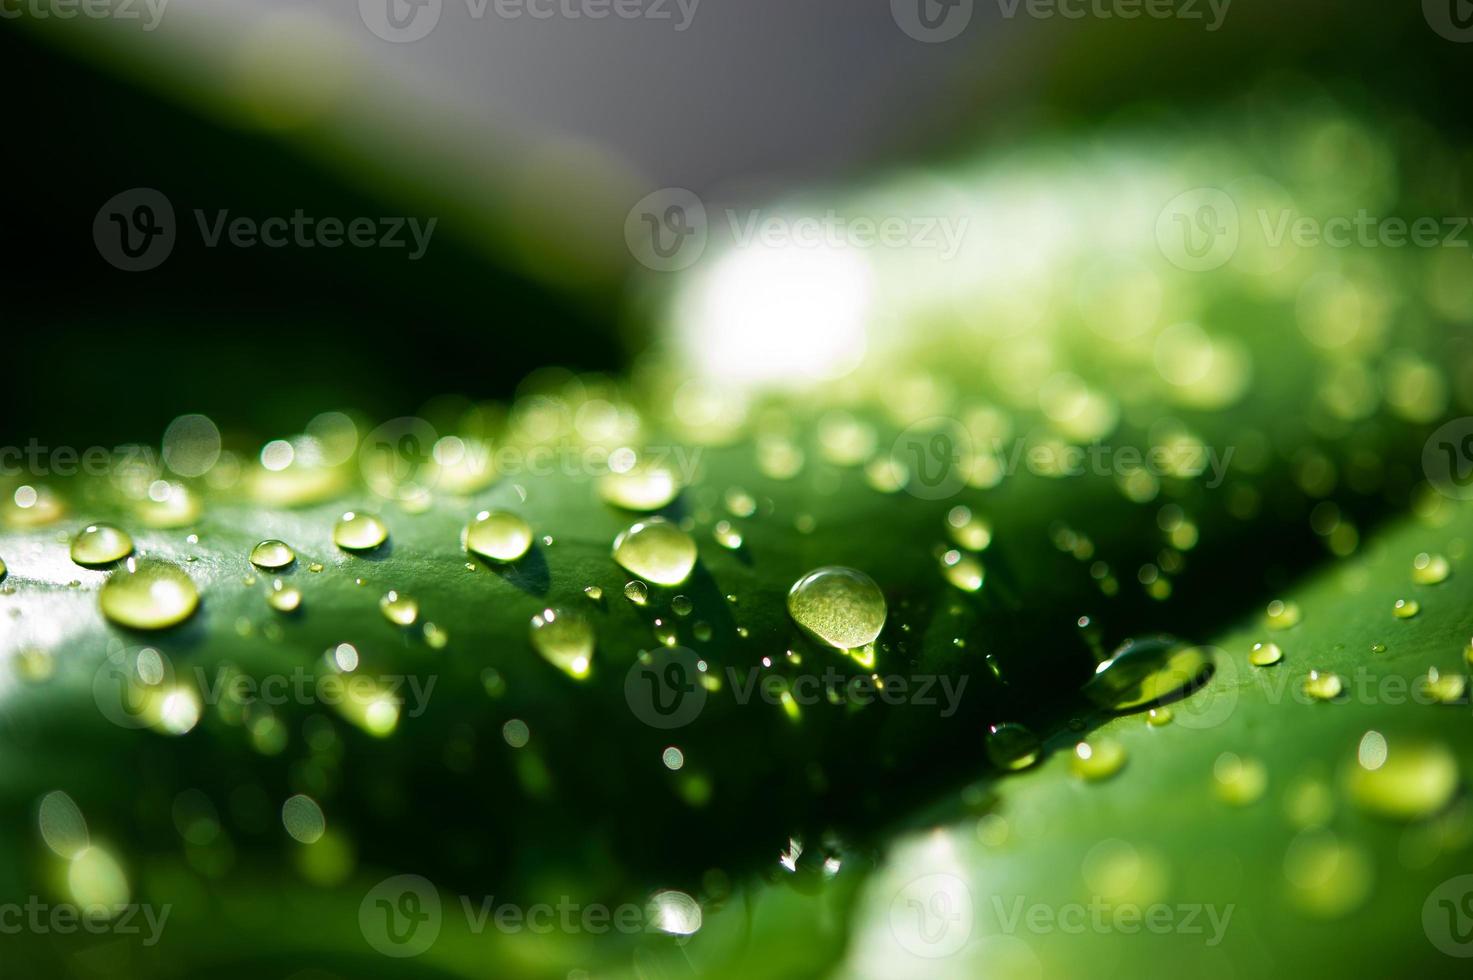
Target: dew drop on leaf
100,544
838,607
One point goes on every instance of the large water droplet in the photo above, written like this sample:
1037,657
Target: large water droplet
967,529
3,570
399,608
640,488
1239,781
283,597
1094,761
962,570
1405,608
359,531
1443,688
1323,685
498,535
837,606
565,639
1403,779
656,550
100,544
1149,670
1012,746
1282,615
1430,569
1265,654
148,595
272,554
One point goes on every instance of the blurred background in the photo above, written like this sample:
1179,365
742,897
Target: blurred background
527,139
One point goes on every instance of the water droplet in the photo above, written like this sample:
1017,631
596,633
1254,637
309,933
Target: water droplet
656,550
1097,760
148,595
565,640
100,544
1239,781
674,913
681,605
673,758
1148,670
1282,615
1443,688
1406,608
1322,685
498,535
272,554
837,606
169,505
1011,746
1327,877
642,488
665,633
359,531
32,507
1429,569
726,535
399,608
962,570
967,529
436,638
636,592
315,567
283,597
1265,654
516,733
3,570
1378,648
303,819
740,503
701,631
1405,780
1157,717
